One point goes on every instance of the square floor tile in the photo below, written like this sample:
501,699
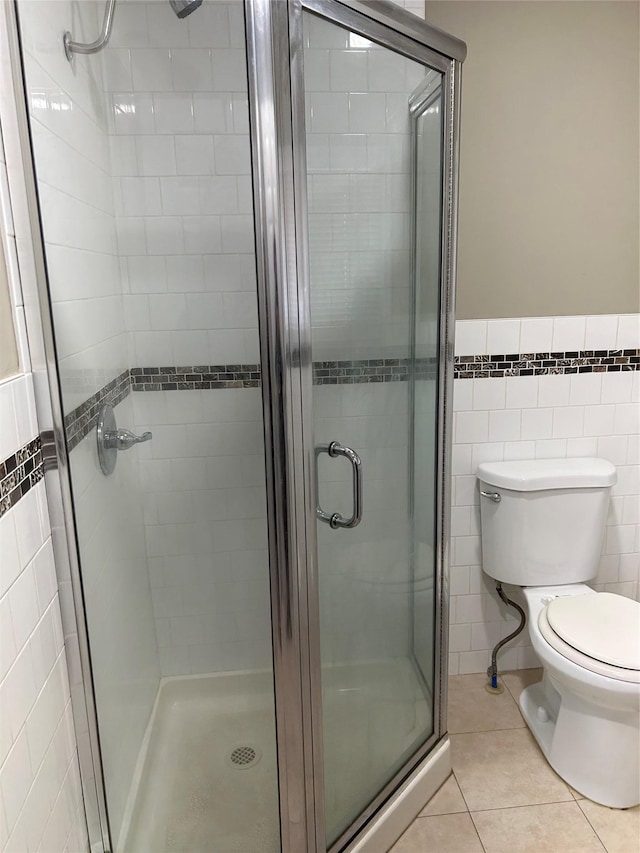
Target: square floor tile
537,829
450,833
447,800
472,709
502,769
618,829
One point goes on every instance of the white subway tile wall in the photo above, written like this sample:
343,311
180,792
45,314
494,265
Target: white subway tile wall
529,417
41,806
181,161
206,533
69,114
70,133
358,132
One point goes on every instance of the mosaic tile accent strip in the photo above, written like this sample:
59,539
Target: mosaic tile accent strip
198,377
545,363
83,418
19,473
373,370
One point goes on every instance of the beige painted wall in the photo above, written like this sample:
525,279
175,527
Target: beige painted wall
549,156
8,351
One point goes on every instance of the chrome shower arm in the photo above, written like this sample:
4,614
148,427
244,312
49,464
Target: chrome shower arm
71,46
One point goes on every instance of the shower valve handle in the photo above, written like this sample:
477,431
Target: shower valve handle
111,438
123,439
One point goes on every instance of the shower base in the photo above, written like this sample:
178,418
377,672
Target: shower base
191,796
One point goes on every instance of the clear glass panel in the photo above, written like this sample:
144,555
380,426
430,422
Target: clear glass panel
143,166
375,580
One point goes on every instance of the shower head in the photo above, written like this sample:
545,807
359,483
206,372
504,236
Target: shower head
182,8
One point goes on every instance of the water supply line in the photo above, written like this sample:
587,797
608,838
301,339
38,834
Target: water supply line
492,672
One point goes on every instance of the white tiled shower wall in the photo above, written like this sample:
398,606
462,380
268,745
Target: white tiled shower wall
40,798
70,135
69,124
205,522
591,414
358,134
42,808
179,127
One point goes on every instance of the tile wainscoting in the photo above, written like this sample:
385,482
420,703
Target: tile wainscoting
41,801
575,409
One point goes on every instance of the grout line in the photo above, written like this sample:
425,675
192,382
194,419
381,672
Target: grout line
477,832
453,773
23,727
488,731
524,806
595,831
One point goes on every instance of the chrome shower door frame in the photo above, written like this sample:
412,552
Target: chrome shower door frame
277,109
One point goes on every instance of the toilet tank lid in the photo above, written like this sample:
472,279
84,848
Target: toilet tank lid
534,475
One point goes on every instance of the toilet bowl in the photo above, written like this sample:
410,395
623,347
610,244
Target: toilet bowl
585,713
542,527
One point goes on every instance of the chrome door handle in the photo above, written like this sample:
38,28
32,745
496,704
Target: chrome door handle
335,520
493,496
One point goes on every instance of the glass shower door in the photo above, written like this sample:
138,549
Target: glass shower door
374,269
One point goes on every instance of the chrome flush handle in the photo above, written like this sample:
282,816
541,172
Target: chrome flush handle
493,496
335,520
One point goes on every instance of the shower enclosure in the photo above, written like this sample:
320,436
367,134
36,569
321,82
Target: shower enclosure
244,227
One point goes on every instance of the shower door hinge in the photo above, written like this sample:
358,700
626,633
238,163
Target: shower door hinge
48,450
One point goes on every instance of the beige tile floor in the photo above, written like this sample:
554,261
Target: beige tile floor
503,797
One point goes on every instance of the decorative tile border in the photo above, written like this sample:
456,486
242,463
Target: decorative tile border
82,419
544,363
199,377
19,473
205,377
371,370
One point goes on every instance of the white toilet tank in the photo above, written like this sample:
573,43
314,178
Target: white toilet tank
544,520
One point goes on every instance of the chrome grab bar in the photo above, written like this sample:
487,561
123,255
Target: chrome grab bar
335,520
71,46
493,496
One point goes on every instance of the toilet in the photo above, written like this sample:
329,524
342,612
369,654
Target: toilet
542,525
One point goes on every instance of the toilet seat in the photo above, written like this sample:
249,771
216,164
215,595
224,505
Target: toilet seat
600,632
